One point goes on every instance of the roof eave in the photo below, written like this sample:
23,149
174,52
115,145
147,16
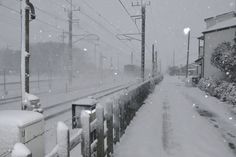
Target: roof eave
219,29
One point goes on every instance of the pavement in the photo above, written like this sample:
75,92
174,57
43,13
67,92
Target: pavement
179,121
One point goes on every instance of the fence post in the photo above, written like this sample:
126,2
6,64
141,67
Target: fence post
109,109
116,110
85,145
63,140
20,150
122,114
100,130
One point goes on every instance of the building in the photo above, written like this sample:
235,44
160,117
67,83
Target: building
219,29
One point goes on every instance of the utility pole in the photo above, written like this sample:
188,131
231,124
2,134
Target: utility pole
143,18
188,55
132,58
143,43
27,14
153,60
70,44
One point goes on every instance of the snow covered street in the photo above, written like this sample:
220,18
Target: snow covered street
179,121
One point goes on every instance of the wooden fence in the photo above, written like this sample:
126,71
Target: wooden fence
102,127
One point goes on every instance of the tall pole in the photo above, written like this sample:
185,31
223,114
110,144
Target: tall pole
26,9
153,60
143,42
27,72
70,44
23,54
188,55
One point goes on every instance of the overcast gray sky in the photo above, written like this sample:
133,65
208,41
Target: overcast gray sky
166,20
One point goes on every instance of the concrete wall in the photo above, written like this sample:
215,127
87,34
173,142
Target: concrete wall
212,40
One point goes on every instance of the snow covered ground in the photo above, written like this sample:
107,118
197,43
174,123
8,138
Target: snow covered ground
179,121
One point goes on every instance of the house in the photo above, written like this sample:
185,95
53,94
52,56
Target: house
221,28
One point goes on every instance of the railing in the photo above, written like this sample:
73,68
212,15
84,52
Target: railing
102,127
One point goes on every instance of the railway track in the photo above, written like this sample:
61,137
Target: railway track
10,100
98,95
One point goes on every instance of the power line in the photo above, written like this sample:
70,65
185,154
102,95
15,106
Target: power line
106,20
126,10
9,8
50,14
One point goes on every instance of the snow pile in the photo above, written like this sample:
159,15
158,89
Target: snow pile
223,90
20,150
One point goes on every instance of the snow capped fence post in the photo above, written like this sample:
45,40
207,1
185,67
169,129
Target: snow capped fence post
63,140
122,114
116,124
20,150
109,110
100,130
85,146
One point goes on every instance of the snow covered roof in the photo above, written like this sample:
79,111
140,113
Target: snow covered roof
19,118
86,102
222,25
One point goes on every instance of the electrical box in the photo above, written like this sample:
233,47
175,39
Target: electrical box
25,127
88,104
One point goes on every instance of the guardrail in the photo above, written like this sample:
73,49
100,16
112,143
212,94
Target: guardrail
102,127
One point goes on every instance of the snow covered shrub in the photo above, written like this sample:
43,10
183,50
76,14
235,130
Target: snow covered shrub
223,90
209,85
231,97
224,58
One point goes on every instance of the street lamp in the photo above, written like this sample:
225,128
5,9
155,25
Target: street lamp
85,49
187,32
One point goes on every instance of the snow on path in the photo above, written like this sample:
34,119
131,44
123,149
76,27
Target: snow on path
169,126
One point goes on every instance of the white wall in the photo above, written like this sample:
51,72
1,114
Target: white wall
211,42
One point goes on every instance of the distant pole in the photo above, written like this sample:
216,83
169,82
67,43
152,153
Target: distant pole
38,80
4,82
156,63
143,43
132,58
160,66
188,55
153,60
173,58
118,63
95,55
70,44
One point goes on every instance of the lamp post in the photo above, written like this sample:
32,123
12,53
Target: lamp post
187,32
